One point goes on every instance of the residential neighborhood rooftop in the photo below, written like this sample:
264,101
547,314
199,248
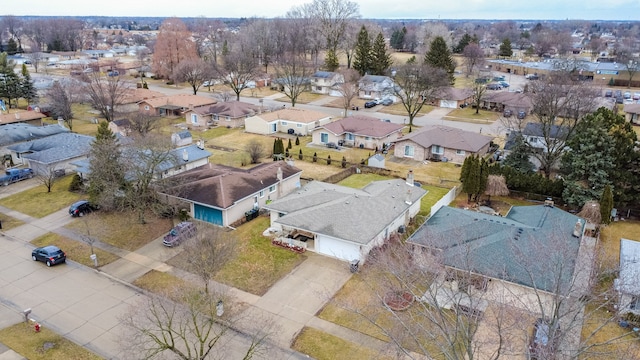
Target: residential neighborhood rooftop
295,115
363,125
448,137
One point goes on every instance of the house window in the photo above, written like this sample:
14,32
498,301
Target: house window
408,150
261,193
194,118
349,136
437,149
635,303
460,152
272,188
283,123
318,88
368,93
367,138
228,118
146,107
216,117
324,138
299,125
533,140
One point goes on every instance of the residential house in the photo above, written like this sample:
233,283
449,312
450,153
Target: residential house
229,114
20,132
632,113
503,100
628,282
286,83
322,82
343,222
132,97
376,87
452,98
181,138
120,126
439,142
221,194
288,120
55,152
30,117
512,259
360,131
535,133
174,105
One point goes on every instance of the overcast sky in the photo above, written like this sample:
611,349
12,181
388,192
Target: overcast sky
384,9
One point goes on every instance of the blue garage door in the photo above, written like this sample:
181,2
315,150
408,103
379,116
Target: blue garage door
208,214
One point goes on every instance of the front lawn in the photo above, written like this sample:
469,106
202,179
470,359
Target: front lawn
122,229
468,114
399,109
45,345
258,264
75,250
320,345
8,223
158,282
37,202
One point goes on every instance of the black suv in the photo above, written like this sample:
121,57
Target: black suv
370,104
50,255
80,208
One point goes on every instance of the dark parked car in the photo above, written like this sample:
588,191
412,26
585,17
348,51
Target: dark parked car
543,341
521,114
50,255
504,84
80,208
387,102
608,93
617,93
370,104
507,113
494,87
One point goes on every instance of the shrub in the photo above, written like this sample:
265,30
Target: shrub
297,141
76,183
344,162
300,154
329,160
315,157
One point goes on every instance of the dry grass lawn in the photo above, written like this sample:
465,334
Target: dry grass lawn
37,202
158,282
322,346
434,173
468,114
75,250
304,98
45,345
9,223
122,229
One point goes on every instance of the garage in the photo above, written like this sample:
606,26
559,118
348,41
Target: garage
207,214
451,104
337,248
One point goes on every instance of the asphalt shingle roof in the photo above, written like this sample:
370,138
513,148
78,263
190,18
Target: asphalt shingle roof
15,133
532,246
363,126
448,137
55,148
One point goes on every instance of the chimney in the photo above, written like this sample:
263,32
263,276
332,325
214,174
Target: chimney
548,202
577,229
185,155
279,174
200,144
190,106
61,122
407,198
410,178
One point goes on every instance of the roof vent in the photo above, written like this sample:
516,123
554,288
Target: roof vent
548,202
577,229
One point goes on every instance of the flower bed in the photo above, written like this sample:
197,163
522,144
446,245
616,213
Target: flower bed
294,248
398,300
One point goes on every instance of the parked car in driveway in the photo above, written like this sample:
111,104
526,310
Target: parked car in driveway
80,208
50,255
636,96
507,113
494,87
181,232
626,95
608,93
521,114
370,104
387,102
504,84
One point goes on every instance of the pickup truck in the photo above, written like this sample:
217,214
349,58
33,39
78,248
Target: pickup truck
15,175
181,232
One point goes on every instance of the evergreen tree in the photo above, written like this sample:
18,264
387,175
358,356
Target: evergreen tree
482,178
289,145
362,56
606,205
380,58
471,176
397,38
107,172
28,90
464,172
439,56
12,47
10,85
519,157
505,48
331,62
464,41
300,154
297,141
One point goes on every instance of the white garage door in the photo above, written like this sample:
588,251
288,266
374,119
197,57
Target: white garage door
337,248
452,104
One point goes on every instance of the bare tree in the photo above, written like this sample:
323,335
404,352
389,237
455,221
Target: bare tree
333,17
47,176
238,69
143,124
106,93
207,34
194,72
473,57
416,85
62,95
189,324
631,63
260,40
349,88
256,151
293,75
496,186
173,45
36,59
479,90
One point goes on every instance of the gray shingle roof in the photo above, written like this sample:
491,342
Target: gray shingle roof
15,133
536,129
629,279
531,246
55,148
355,215
448,137
363,126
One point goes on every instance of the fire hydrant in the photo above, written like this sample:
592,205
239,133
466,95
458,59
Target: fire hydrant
37,327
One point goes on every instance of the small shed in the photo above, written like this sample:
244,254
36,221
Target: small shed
182,138
377,161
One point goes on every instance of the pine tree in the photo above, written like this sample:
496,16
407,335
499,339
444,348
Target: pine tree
397,38
12,47
483,177
331,62
519,156
439,56
471,176
107,172
606,204
380,58
297,141
464,41
362,56
505,48
300,154
289,145
27,89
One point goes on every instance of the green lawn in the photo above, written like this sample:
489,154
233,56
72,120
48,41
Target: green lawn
22,339
75,250
434,194
9,223
321,346
258,265
359,181
468,114
37,202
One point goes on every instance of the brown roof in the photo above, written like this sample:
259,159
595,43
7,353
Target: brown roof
222,186
20,117
364,126
632,108
296,115
451,93
232,109
448,137
510,99
180,100
137,95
